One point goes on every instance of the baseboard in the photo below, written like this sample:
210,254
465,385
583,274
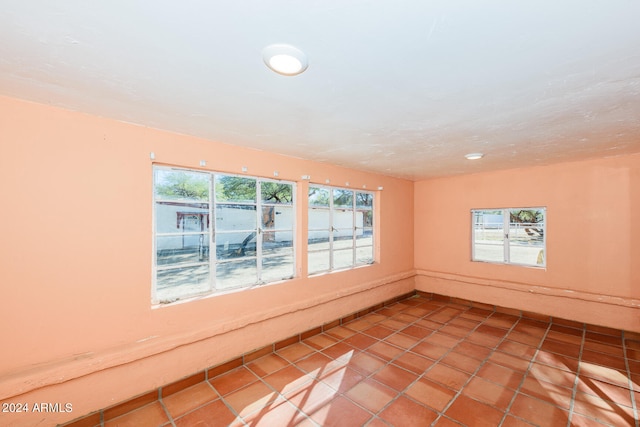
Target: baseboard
597,309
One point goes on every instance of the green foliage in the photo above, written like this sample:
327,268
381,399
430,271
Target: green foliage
183,185
235,188
240,189
526,216
276,192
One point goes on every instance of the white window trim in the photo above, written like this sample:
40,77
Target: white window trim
213,262
506,242
354,209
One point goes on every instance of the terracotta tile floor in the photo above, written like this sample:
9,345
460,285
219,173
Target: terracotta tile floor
421,362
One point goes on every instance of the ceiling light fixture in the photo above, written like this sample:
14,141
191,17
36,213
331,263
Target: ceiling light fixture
474,156
285,59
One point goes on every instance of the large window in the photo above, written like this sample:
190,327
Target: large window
249,221
340,229
509,236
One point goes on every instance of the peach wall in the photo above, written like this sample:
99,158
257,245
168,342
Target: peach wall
593,240
77,323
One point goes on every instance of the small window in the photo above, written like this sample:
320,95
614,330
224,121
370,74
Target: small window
248,221
509,236
340,229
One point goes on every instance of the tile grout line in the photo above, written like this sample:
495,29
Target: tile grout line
574,392
633,397
482,363
524,377
166,411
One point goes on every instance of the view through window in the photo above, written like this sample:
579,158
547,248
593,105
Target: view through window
340,228
249,220
509,236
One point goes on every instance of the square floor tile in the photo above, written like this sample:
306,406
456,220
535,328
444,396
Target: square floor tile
430,393
186,400
490,393
342,379
320,341
267,364
501,375
287,379
340,412
396,378
233,380
407,413
371,395
538,412
461,362
214,413
250,398
548,392
295,352
151,415
470,412
280,412
365,363
447,376
413,362
312,397
385,351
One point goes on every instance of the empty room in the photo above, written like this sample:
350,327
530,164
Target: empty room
363,213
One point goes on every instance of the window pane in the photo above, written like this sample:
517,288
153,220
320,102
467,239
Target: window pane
174,217
277,217
342,259
278,267
318,240
235,217
526,236
171,250
342,218
319,219
175,283
235,189
274,243
488,236
342,239
237,273
276,192
235,245
181,185
364,200
491,253
342,198
364,237
364,255
318,196
364,218
527,255
318,261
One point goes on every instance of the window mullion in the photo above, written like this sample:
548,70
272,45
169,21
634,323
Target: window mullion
259,230
506,219
353,229
212,231
331,229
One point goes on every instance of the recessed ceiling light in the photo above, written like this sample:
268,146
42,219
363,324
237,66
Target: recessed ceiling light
285,59
474,156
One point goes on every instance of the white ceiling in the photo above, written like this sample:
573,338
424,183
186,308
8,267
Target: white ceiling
404,88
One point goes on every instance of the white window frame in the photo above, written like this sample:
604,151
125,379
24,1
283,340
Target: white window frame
211,235
508,241
332,230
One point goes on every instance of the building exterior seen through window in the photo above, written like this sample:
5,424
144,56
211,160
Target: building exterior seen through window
340,231
509,236
249,222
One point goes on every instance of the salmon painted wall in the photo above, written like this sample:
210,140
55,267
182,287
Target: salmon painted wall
75,313
593,240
